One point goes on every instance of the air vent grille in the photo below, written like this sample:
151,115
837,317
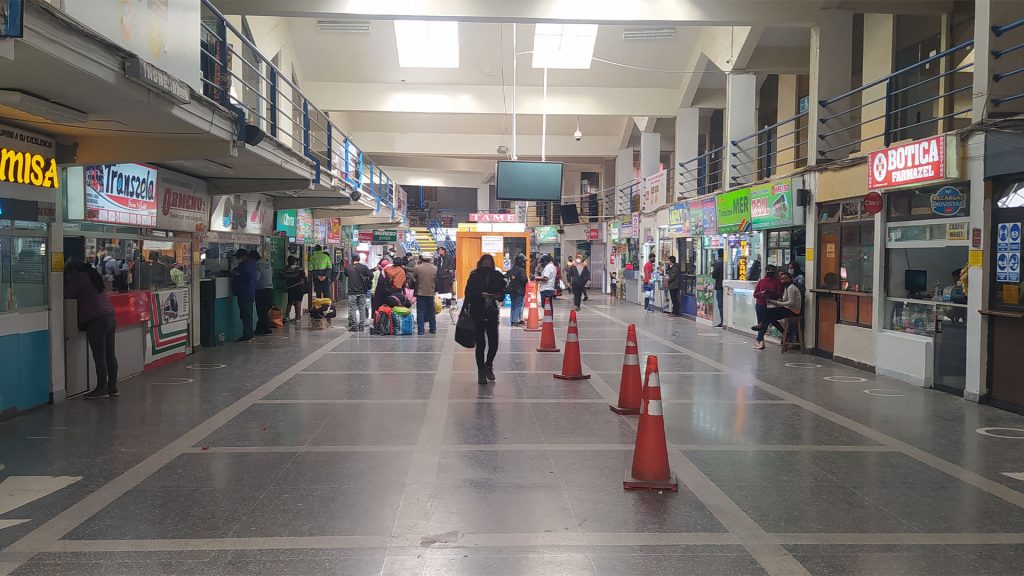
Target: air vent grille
344,26
648,33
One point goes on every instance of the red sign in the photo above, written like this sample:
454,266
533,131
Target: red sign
975,237
921,161
593,233
873,203
131,307
488,218
366,237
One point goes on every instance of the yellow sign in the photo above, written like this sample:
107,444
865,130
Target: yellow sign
975,258
28,168
56,261
1011,294
810,255
956,231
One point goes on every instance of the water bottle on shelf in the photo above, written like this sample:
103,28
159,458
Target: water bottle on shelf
220,338
937,292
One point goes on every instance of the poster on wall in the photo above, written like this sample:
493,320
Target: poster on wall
304,233
164,33
334,231
705,292
546,234
734,211
1008,252
243,213
771,205
184,203
122,194
652,192
709,217
679,221
171,306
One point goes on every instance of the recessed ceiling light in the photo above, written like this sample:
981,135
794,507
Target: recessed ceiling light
648,33
354,26
565,46
427,44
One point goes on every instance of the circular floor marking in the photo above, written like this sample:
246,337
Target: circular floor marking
883,392
206,366
847,379
989,432
737,341
171,381
708,334
802,365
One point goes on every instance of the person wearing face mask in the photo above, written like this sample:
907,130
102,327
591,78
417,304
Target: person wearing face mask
794,271
579,276
789,305
485,289
767,288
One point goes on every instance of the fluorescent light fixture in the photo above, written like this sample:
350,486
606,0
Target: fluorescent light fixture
564,46
427,44
351,26
42,108
648,33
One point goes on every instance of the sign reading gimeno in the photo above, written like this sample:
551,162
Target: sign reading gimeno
121,194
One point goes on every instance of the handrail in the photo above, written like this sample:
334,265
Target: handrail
882,80
1000,30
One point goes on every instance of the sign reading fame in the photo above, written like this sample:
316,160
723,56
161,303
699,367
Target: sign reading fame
913,163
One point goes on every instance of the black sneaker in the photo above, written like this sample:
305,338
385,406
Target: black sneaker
243,339
489,372
481,376
353,329
113,393
97,394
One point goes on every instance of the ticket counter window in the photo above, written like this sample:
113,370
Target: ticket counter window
166,265
23,277
117,260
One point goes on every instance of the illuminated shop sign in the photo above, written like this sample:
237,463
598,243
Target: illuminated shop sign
27,159
121,194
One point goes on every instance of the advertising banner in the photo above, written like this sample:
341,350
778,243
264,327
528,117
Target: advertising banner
734,211
709,216
184,203
304,226
913,163
242,213
771,205
123,194
27,160
546,234
287,223
679,225
652,192
334,231
705,297
635,232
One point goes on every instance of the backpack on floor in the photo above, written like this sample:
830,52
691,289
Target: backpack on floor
383,322
405,325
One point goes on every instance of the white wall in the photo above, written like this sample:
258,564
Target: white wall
905,357
855,343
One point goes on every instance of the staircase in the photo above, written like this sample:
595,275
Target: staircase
440,239
425,240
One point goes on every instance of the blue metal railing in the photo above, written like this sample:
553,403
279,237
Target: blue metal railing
236,75
703,174
757,156
916,100
1014,69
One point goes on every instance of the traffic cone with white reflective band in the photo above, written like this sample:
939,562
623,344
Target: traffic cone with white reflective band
650,458
572,366
547,333
630,385
532,315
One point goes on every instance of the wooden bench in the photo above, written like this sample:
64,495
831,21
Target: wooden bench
791,325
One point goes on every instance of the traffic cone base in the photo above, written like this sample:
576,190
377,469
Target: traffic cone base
624,411
549,349
630,483
580,377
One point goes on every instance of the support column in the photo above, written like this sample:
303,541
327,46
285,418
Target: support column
650,153
831,69
58,384
788,105
879,31
687,135
976,384
483,198
624,166
740,121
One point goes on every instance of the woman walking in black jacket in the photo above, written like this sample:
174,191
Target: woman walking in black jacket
485,289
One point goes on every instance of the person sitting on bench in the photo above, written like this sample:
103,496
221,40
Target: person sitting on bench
789,305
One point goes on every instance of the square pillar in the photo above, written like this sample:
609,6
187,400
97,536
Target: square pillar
483,198
879,30
831,71
740,121
687,137
788,106
624,166
976,385
650,153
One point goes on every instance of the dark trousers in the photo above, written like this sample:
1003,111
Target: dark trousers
264,300
720,298
759,310
425,314
321,288
577,295
546,295
245,304
674,294
486,336
100,333
771,317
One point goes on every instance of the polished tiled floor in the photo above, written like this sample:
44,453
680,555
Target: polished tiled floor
314,453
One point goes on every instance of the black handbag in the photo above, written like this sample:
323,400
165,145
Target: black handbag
465,329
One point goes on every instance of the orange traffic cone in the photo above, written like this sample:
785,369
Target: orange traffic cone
630,386
572,368
650,458
532,315
547,334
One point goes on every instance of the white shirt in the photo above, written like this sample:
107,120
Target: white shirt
549,272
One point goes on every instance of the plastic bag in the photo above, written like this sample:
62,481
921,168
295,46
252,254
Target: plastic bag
276,317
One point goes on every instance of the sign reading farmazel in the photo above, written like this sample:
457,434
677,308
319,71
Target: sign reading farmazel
27,159
914,163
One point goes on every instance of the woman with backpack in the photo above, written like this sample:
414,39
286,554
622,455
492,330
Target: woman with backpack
96,318
485,289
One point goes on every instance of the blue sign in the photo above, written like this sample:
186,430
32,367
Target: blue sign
1008,252
948,201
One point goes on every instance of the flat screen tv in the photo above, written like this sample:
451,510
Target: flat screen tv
523,180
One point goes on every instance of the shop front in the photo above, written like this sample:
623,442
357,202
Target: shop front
922,331
28,179
681,243
236,221
739,245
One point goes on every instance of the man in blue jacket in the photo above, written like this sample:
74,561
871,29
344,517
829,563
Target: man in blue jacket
243,284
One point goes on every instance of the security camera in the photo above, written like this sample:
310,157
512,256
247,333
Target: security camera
577,135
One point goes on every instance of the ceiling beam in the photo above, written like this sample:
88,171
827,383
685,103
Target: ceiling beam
558,145
675,12
479,99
